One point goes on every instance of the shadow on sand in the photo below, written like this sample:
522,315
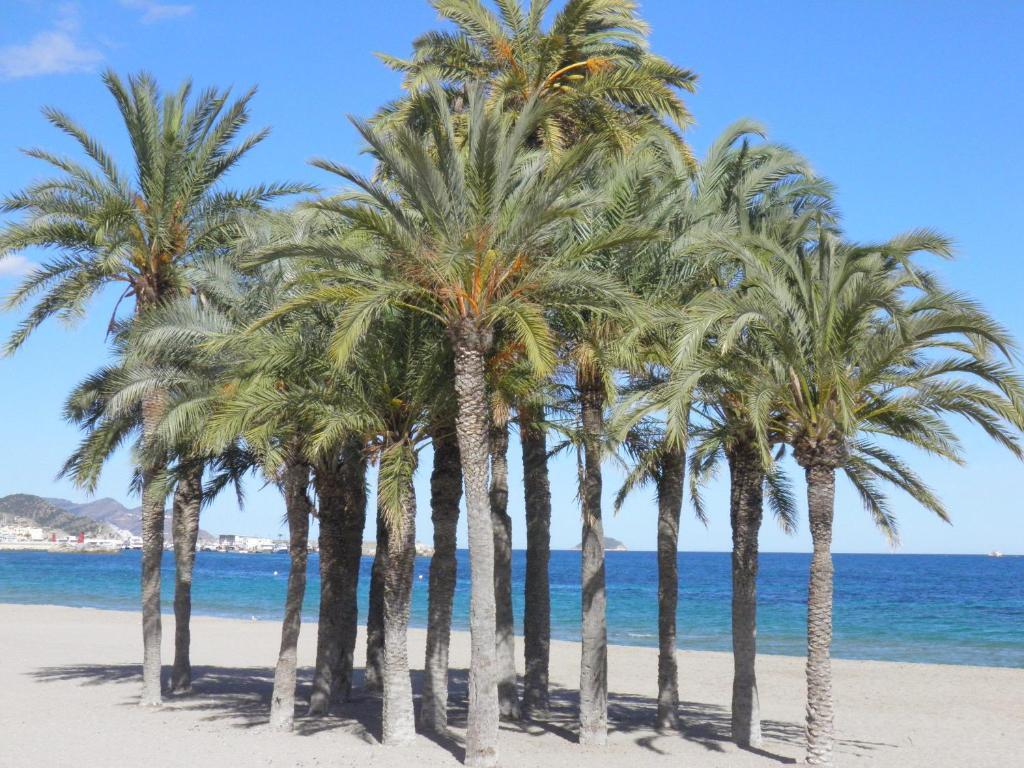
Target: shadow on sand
241,696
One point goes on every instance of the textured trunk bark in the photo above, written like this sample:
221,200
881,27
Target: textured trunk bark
445,493
594,666
353,478
745,509
470,344
153,407
821,487
399,724
537,612
298,509
373,680
670,504
508,694
188,499
330,493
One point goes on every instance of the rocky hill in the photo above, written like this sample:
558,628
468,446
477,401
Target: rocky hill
105,511
610,545
24,509
91,517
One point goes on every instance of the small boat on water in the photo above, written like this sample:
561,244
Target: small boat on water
995,553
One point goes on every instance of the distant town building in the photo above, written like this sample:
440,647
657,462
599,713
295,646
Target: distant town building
232,542
21,533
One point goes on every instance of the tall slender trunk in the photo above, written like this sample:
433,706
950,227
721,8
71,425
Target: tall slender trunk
745,509
330,493
188,499
670,504
445,493
821,488
537,612
353,479
508,694
470,344
373,679
154,406
399,725
298,509
594,666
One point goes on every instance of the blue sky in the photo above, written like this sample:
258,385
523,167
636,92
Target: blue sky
910,108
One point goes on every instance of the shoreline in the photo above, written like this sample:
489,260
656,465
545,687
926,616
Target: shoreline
167,618
71,685
41,547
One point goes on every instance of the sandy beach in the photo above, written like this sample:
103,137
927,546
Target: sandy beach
70,680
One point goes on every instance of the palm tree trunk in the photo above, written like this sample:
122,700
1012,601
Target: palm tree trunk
821,487
745,509
670,504
353,470
508,694
298,508
329,491
373,680
399,725
594,666
153,407
445,493
537,612
470,344
188,499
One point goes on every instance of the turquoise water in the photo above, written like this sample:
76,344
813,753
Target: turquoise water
926,608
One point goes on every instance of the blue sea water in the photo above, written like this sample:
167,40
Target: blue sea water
920,608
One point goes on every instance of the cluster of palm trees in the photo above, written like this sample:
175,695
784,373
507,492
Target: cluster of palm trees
536,248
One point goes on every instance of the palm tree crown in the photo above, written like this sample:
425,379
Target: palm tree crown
856,347
593,59
135,229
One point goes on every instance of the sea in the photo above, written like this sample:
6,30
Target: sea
946,609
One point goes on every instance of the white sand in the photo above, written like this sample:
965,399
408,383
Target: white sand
69,682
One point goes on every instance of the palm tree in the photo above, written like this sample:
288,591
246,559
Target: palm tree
188,499
594,68
463,229
596,348
340,481
445,494
334,426
508,695
295,484
510,379
537,501
398,382
660,460
738,185
373,681
107,406
859,343
725,432
380,404
264,402
266,411
231,390
134,230
593,61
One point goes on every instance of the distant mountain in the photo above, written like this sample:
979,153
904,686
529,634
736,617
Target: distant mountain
610,545
24,509
105,513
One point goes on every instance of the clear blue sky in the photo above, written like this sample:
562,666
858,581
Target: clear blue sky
911,108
